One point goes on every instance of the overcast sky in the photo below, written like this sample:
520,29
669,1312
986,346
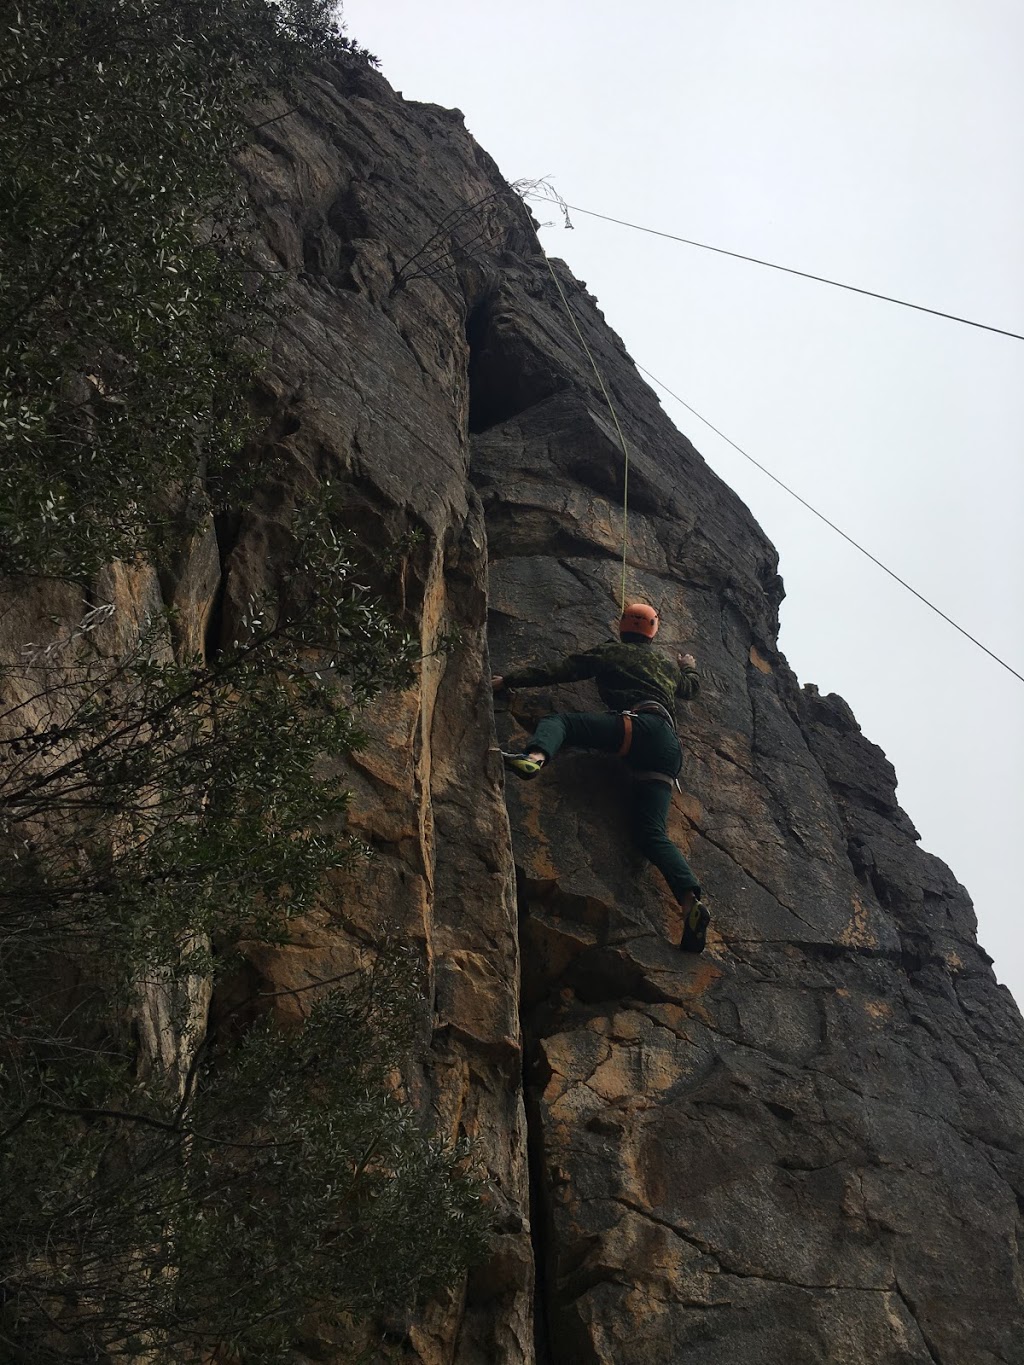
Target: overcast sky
877,143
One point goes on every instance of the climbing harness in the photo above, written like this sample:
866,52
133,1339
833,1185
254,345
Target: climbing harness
627,733
628,717
648,707
644,708
622,440
657,777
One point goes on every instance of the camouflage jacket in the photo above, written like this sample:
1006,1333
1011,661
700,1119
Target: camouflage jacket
626,675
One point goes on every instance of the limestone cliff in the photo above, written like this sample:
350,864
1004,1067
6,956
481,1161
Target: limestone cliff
807,1145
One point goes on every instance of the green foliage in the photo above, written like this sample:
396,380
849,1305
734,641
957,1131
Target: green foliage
130,303
292,1182
156,810
156,813
147,802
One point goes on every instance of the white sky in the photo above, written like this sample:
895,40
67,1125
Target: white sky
878,143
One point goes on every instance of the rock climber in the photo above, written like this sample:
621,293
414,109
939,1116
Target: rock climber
640,686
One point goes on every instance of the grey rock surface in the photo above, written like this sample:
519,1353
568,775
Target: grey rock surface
807,1145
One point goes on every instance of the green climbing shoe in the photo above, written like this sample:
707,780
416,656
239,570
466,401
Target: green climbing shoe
695,930
522,765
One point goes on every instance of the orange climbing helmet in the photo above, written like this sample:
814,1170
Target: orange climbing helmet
639,619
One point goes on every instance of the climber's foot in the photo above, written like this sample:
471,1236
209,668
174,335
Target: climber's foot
523,765
695,927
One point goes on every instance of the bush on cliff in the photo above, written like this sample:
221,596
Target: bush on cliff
130,292
155,813
158,809
287,1185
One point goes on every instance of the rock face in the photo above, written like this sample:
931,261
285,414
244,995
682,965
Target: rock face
805,1146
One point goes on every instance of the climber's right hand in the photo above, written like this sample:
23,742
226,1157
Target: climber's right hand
497,683
687,661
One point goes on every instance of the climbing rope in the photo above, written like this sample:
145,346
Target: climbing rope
611,408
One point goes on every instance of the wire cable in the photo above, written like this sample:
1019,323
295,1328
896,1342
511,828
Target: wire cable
786,269
839,531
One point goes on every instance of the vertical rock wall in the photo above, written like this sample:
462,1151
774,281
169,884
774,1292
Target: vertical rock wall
807,1145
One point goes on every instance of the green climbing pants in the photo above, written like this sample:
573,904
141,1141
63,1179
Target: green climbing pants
654,749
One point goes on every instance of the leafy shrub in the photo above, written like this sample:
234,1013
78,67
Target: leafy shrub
129,294
289,1181
156,809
